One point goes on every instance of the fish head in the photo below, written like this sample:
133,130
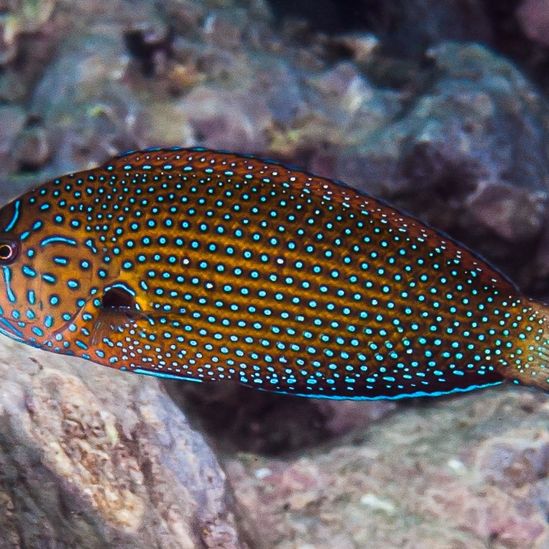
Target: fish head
47,273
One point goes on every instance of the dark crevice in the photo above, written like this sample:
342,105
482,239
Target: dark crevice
510,40
406,29
150,48
239,419
325,15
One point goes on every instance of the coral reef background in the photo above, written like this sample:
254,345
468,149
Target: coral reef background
438,106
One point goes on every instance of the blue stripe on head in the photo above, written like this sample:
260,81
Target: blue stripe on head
7,281
120,285
16,215
57,238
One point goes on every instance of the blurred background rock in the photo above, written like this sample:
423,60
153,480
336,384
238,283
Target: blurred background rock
438,106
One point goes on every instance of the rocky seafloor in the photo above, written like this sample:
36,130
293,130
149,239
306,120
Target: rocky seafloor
439,107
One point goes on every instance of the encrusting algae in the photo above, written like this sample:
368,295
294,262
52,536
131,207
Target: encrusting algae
202,265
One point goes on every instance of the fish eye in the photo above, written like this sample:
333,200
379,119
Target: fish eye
9,249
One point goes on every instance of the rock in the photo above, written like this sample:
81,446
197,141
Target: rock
541,264
498,206
458,472
517,459
151,46
533,16
32,150
396,22
12,120
21,17
81,99
12,89
227,119
101,459
238,419
362,47
468,155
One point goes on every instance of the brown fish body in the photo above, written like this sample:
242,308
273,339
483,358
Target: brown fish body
212,266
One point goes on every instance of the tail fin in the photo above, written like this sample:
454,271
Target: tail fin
530,365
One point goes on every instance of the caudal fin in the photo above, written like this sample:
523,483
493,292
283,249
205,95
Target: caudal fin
529,361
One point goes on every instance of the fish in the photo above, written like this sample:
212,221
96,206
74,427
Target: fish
205,266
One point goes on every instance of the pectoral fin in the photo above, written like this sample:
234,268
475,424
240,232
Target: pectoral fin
118,311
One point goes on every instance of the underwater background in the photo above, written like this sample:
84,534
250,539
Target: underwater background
439,107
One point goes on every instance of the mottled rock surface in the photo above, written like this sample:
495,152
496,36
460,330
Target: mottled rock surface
90,458
438,106
534,19
468,472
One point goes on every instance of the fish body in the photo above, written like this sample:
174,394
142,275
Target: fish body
204,266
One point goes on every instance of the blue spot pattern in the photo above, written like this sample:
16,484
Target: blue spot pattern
236,268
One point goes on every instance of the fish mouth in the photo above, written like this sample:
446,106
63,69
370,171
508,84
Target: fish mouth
8,329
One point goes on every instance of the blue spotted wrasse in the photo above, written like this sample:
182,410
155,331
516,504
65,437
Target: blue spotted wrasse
204,266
